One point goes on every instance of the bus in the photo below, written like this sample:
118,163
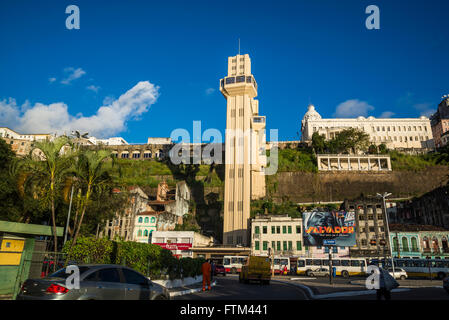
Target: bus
419,268
279,264
344,267
233,264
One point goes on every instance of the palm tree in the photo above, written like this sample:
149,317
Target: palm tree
44,176
93,175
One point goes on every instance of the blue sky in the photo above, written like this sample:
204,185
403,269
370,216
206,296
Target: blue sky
141,69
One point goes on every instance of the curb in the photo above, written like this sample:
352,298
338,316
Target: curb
338,294
189,291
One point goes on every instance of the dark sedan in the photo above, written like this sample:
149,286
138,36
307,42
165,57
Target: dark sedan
219,269
97,282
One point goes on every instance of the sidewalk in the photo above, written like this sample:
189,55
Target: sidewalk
180,291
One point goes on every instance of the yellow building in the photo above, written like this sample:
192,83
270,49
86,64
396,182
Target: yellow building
245,149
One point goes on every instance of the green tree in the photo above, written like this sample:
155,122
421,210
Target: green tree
10,208
45,175
318,142
350,141
383,148
92,176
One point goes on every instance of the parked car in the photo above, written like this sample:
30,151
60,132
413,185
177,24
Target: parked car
398,273
446,284
220,269
97,282
320,272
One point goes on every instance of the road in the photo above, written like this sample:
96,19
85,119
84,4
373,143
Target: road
229,288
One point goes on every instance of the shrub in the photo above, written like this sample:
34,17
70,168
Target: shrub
149,259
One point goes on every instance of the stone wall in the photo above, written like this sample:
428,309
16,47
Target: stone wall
335,186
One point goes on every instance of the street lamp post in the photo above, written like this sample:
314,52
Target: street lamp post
383,196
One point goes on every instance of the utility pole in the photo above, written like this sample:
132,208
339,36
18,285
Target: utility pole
383,196
330,265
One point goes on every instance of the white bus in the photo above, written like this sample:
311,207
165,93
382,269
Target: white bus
280,264
233,264
437,268
344,267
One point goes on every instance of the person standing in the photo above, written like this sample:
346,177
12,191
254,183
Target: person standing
386,284
206,270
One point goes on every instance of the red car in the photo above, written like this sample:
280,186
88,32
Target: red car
219,269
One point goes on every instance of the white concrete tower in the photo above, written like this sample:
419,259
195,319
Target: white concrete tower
244,149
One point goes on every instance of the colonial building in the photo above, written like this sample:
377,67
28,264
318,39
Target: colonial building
144,214
282,234
22,143
370,224
245,149
431,208
419,241
395,133
181,243
440,121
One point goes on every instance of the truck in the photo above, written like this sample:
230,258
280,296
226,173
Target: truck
256,268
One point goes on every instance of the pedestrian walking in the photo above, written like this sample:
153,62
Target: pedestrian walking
386,284
206,270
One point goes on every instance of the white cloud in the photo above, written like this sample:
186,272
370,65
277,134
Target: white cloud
387,114
352,108
93,88
109,119
209,91
72,74
425,109
52,79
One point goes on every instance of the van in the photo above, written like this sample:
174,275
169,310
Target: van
256,268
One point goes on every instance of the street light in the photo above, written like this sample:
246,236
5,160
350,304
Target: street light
383,196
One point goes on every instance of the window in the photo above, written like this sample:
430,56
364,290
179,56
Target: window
273,230
256,245
298,229
109,275
145,233
284,245
264,229
132,277
230,80
153,219
289,229
334,249
345,263
298,245
290,245
136,155
278,246
317,262
278,229
355,263
147,219
404,244
273,245
265,245
284,229
139,233
257,230
140,220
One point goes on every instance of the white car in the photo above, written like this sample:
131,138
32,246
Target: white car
398,273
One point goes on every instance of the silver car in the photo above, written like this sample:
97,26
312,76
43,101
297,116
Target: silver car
320,272
97,282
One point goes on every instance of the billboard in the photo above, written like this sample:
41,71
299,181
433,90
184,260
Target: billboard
323,228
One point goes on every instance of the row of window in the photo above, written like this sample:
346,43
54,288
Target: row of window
400,139
404,128
146,155
147,220
277,229
276,245
370,216
145,233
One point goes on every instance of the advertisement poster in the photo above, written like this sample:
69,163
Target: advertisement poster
323,228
